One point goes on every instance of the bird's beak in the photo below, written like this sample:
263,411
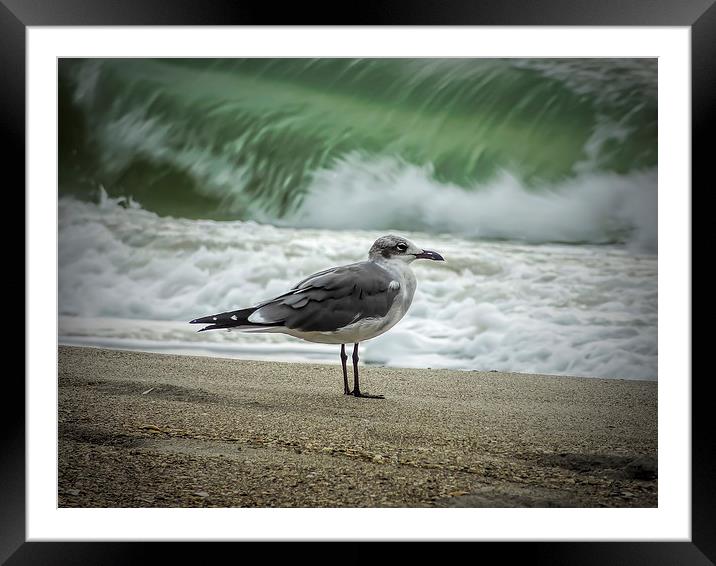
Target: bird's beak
427,254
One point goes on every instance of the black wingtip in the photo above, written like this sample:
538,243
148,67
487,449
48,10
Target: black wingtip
228,319
211,319
214,327
202,321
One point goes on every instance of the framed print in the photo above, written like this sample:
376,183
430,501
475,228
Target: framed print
292,191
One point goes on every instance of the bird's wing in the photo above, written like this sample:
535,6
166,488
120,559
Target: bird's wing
331,299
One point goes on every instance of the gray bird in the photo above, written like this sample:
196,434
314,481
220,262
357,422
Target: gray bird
341,305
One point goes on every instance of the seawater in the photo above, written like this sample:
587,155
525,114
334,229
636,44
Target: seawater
189,187
129,278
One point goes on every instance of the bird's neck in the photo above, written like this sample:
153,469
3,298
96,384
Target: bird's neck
399,269
403,273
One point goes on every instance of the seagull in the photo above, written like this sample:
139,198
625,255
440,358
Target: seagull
342,305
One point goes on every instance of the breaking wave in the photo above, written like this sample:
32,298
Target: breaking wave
468,146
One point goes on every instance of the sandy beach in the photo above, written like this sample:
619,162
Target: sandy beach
152,430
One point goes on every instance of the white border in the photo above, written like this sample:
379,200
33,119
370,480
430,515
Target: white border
670,521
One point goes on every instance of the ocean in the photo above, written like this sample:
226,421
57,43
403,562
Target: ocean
192,186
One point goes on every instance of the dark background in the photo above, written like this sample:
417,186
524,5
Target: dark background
16,15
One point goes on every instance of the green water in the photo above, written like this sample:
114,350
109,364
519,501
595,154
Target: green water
239,139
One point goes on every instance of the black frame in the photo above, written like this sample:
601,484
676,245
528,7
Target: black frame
15,15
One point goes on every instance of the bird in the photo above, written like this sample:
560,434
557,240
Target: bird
341,305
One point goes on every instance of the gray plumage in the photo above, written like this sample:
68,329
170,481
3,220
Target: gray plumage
322,302
333,299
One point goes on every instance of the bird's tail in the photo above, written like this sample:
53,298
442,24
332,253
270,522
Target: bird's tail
231,319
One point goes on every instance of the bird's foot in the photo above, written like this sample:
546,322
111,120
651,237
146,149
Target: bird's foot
367,395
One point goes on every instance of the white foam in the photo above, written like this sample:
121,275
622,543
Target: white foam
128,277
594,207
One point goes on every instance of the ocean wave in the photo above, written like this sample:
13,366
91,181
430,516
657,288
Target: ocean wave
549,308
591,208
249,139
193,186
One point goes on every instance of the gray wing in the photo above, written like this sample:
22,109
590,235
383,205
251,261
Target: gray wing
332,299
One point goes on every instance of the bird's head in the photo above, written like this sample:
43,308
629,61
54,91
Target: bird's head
396,247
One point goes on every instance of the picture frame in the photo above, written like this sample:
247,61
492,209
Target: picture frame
16,16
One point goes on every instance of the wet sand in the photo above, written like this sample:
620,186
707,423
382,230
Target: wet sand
152,430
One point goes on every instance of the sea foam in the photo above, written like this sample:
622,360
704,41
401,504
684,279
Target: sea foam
594,207
129,278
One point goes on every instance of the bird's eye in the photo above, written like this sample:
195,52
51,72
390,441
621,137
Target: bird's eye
402,246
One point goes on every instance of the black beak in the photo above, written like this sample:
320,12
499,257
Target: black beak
427,254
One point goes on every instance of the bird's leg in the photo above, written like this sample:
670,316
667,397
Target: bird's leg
356,386
344,357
